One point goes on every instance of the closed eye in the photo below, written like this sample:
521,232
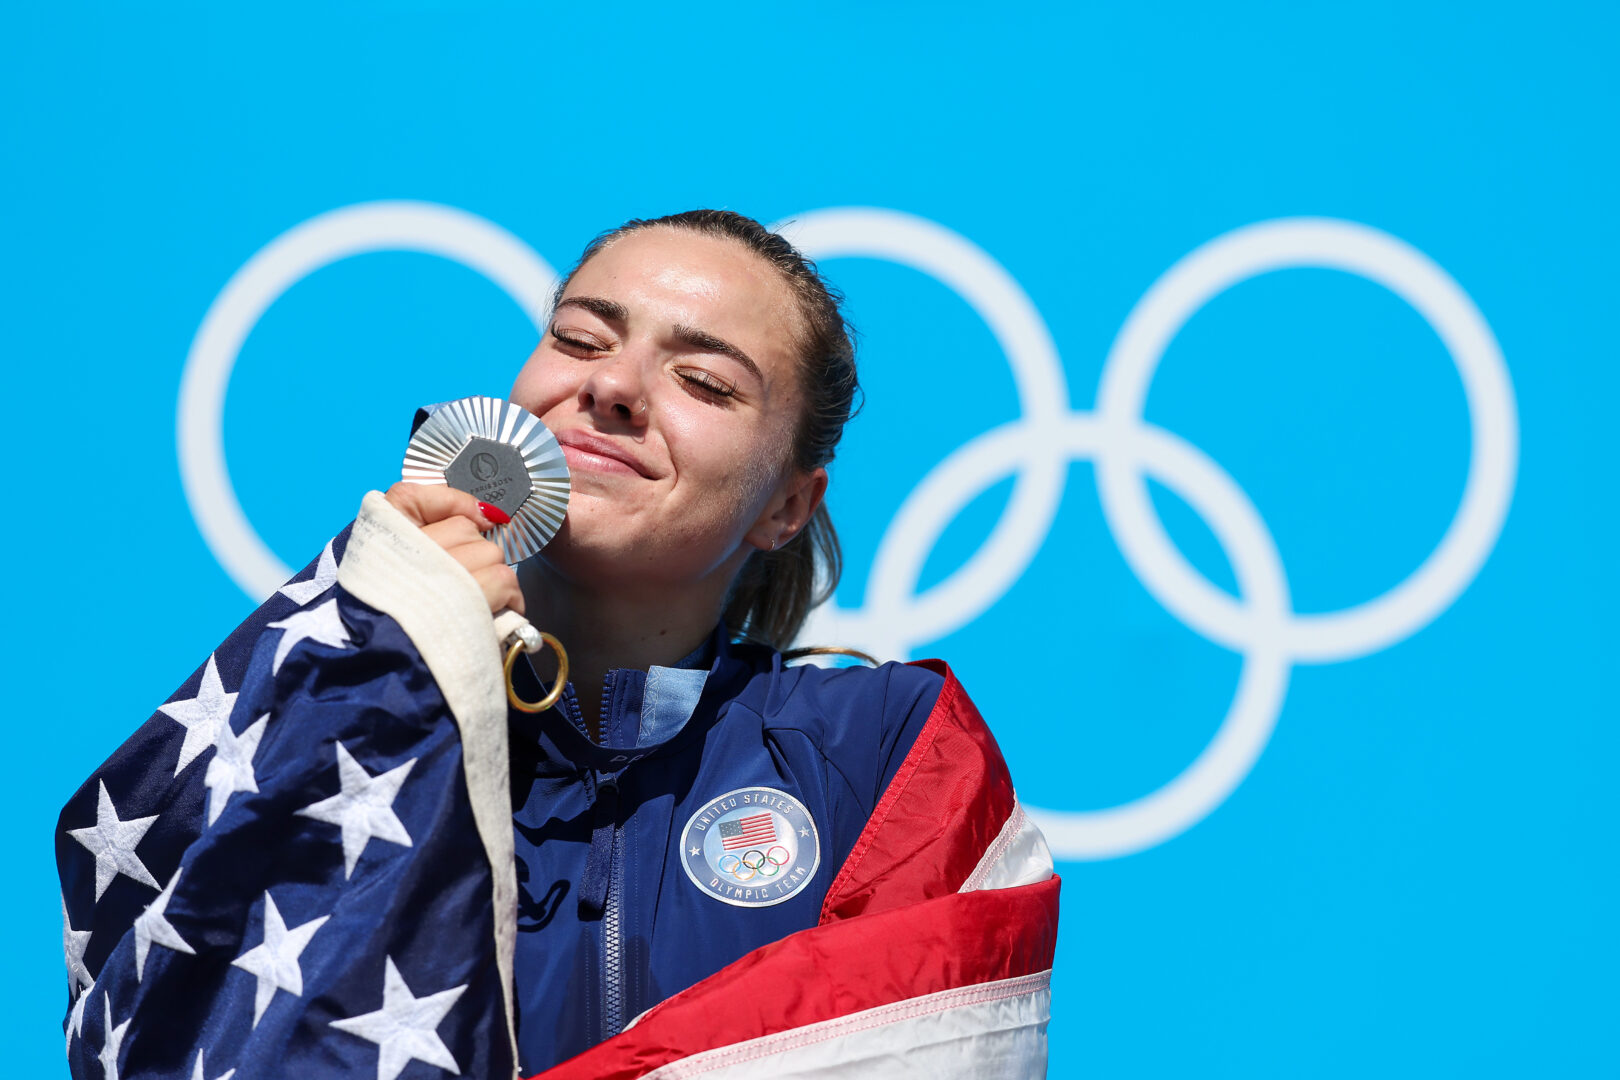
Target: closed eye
575,342
707,382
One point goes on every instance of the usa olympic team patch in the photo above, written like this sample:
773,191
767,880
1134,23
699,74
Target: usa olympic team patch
752,847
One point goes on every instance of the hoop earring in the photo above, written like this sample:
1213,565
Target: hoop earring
641,410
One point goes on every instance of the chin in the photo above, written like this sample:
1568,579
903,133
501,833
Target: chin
587,559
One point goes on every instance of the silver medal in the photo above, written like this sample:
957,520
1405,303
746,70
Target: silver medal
501,454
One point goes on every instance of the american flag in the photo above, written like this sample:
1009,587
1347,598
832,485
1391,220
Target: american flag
220,875
220,870
751,831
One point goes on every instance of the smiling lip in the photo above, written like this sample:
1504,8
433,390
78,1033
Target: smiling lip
585,450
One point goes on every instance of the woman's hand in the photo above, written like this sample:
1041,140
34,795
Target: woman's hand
452,520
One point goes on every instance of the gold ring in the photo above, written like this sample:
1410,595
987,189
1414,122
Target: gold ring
556,687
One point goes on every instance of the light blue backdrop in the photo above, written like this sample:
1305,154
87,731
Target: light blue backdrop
1414,875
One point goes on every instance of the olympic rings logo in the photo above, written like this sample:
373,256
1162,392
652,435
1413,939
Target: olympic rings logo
1037,448
755,863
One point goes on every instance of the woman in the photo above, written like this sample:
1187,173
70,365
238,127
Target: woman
692,828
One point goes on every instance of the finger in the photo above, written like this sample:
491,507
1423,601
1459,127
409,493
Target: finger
428,503
500,587
476,554
452,532
488,566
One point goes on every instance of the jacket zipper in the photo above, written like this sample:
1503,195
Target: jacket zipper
612,909
612,996
613,943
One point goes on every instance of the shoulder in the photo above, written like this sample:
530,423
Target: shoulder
947,818
855,712
864,722
808,694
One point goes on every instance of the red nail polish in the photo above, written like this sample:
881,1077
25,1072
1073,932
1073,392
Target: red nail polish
494,513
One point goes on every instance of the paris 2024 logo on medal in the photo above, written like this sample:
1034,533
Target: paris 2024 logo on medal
752,847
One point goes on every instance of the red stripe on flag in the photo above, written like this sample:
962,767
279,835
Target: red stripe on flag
757,829
940,813
963,939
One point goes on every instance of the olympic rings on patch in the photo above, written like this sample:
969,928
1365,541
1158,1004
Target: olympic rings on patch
755,863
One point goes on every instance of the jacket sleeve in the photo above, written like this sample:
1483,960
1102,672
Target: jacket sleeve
302,862
932,957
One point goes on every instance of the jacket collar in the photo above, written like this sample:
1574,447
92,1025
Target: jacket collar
627,738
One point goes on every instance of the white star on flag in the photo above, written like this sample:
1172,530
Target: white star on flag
320,624
364,808
113,843
302,592
197,1070
115,1041
74,942
406,1027
274,961
202,716
152,926
76,1018
231,769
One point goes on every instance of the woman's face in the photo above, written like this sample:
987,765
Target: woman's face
668,375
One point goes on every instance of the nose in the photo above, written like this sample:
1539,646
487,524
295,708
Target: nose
615,391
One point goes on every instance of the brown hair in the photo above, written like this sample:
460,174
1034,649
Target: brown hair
776,590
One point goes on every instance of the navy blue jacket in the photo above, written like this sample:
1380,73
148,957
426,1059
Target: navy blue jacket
637,858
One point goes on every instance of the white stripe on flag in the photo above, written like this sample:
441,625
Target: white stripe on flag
994,1029
1017,856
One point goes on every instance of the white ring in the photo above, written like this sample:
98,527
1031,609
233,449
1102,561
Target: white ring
352,230
1210,491
1405,271
1127,449
1043,397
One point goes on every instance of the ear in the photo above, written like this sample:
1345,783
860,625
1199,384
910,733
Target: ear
790,508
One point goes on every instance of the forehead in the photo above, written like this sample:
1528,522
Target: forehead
710,283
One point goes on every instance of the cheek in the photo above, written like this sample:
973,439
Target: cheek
540,385
708,457
730,466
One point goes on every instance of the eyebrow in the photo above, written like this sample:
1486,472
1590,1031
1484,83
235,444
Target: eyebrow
608,309
686,335
701,339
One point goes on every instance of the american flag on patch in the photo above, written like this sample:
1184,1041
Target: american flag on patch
751,831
